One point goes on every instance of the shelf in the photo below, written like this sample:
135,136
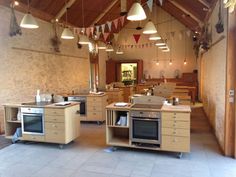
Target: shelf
14,121
119,141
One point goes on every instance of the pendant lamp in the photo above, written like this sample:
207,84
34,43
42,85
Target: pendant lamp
109,48
149,28
163,47
136,12
160,43
154,37
101,46
67,33
28,20
83,38
119,51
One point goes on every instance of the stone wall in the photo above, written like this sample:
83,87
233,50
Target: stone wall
24,70
213,77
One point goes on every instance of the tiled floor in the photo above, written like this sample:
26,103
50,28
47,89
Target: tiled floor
86,158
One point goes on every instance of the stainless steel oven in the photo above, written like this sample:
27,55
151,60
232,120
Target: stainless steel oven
32,120
145,127
82,100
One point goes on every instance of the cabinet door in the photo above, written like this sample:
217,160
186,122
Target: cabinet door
110,71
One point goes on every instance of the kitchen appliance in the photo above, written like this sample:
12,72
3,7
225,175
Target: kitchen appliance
82,100
32,120
145,128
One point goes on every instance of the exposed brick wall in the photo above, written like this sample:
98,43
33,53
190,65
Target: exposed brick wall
23,72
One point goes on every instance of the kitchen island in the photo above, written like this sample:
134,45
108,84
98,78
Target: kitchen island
167,127
56,123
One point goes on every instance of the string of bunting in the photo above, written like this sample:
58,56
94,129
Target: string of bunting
135,46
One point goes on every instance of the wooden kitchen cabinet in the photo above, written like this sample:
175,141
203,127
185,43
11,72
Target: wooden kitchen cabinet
61,125
175,131
96,108
115,95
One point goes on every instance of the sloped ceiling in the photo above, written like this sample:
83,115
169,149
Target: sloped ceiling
191,13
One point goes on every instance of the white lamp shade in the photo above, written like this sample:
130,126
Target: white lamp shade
83,40
163,47
136,12
166,50
149,28
160,43
109,48
67,34
28,21
101,46
119,51
154,37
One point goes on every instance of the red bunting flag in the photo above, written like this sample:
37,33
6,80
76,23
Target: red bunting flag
136,37
122,20
105,36
116,23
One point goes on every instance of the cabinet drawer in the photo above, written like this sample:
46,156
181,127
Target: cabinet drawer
54,118
176,132
175,116
60,112
95,115
33,137
94,99
55,136
54,126
175,124
177,144
94,108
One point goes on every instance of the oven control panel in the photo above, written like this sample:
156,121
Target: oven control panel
145,114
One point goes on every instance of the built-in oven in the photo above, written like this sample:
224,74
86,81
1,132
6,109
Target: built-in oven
82,100
32,120
145,127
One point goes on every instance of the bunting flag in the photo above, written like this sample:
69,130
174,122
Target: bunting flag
116,36
82,30
98,34
92,29
109,25
122,20
103,28
97,28
150,4
180,35
105,36
116,23
136,37
161,2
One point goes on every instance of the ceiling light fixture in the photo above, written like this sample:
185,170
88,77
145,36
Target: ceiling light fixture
83,38
67,33
16,3
163,47
28,20
109,48
154,37
101,46
160,42
166,50
149,28
136,12
119,51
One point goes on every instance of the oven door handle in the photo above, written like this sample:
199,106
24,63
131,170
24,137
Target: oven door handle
147,119
32,114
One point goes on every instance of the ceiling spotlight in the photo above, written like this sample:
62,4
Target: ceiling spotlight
16,3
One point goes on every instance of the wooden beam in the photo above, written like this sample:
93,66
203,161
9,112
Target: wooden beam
63,10
187,12
230,114
104,12
205,3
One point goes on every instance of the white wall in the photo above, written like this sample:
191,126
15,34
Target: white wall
165,23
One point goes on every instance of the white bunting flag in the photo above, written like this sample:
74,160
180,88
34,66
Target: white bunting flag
150,4
97,28
161,2
103,28
109,25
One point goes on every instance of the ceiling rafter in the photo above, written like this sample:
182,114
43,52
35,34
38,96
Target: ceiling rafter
104,12
63,10
205,3
187,12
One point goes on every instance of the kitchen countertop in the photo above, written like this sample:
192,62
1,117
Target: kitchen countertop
83,94
164,108
52,105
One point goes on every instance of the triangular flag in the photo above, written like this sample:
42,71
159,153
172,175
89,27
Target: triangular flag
150,4
180,35
103,27
161,2
77,30
109,25
116,22
136,37
92,29
105,36
82,30
98,34
88,31
97,28
116,36
122,20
